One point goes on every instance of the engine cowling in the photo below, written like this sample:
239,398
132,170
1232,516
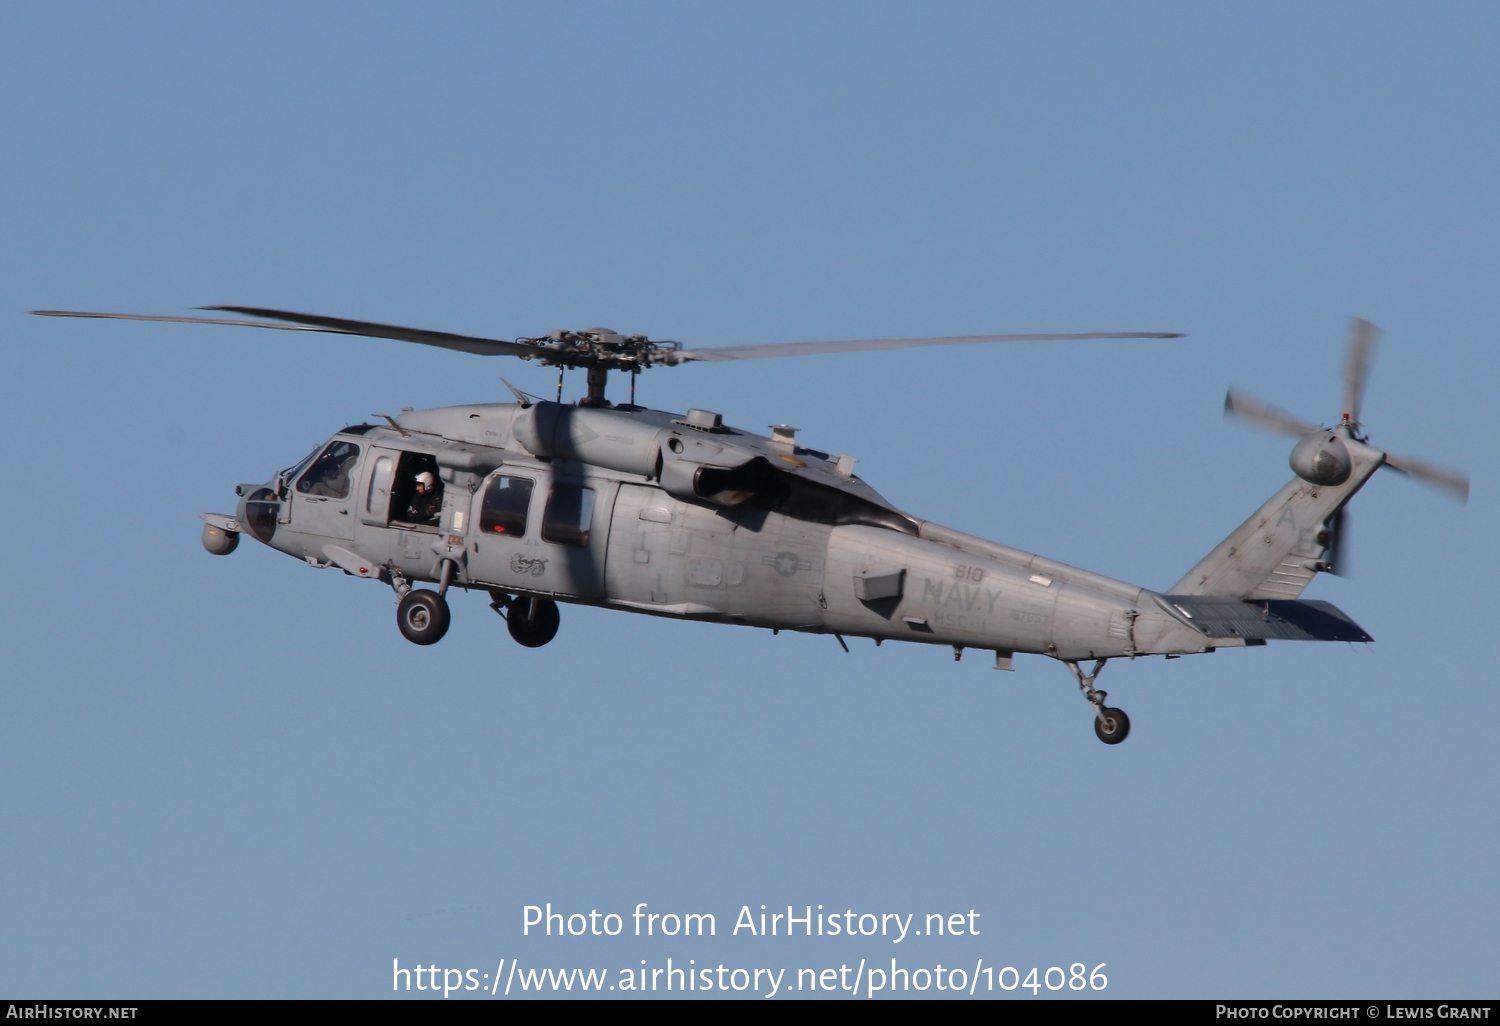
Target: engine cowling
605,438
1322,458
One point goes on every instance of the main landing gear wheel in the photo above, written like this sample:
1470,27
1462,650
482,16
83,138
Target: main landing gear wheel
1111,725
422,617
533,621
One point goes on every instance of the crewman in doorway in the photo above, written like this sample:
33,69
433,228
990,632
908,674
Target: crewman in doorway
426,500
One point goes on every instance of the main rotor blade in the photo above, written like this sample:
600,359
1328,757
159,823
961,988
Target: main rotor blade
1240,404
442,339
178,320
1454,482
1363,337
766,350
330,325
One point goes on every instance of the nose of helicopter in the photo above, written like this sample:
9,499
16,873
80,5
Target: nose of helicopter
259,508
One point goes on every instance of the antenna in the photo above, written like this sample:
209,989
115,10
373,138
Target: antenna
392,422
521,397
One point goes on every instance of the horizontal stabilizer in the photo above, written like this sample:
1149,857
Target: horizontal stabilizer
1267,619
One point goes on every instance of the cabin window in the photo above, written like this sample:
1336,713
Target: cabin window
506,501
328,477
570,514
378,498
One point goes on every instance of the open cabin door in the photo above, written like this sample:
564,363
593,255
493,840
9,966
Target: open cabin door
541,531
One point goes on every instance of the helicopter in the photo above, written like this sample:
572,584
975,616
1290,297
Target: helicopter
536,502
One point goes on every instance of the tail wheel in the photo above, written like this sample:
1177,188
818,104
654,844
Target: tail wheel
1111,725
533,621
422,617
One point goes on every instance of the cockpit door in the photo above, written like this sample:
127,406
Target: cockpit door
322,497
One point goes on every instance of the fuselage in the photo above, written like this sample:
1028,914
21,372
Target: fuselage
680,516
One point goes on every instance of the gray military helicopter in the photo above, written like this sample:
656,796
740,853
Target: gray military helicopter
535,502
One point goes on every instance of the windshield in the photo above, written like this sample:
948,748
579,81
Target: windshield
328,477
300,465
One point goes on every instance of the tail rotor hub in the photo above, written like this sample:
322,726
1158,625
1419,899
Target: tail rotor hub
1321,456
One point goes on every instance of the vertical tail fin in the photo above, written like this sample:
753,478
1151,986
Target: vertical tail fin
1278,551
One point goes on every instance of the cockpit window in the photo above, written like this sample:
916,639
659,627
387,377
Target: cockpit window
569,515
328,477
505,503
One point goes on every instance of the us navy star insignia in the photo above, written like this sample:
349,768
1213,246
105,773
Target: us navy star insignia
786,563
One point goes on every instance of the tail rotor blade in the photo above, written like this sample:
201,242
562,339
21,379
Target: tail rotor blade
1363,337
1337,556
1264,415
1454,482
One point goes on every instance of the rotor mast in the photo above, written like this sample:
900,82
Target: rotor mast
598,377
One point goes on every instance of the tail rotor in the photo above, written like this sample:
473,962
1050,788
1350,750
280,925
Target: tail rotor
1321,456
1363,339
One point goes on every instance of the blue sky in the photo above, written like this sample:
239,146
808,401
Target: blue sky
232,777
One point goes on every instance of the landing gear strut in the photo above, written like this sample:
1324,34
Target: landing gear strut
1110,725
532,621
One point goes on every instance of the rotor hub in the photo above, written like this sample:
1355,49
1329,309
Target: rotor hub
600,348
